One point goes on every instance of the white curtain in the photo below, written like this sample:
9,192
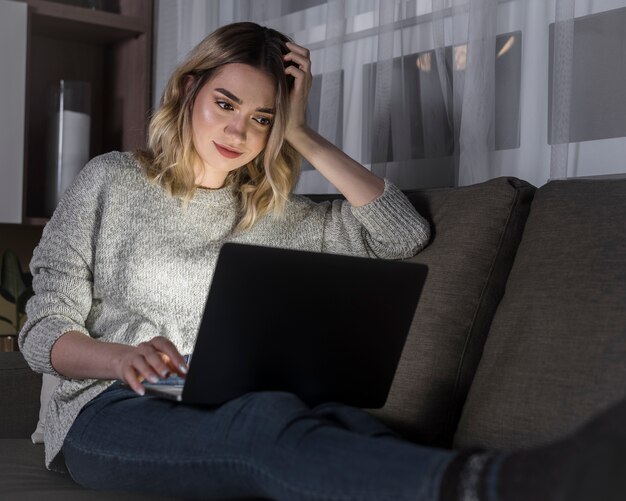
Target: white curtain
426,92
563,54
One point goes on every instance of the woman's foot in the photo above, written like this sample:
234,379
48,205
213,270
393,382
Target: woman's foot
588,465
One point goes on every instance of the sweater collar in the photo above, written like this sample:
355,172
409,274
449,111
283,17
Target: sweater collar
216,197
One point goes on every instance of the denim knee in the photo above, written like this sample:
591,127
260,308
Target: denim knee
266,419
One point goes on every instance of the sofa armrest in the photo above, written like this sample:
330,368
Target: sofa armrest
20,388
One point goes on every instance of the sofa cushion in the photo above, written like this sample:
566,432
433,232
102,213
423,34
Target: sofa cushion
19,396
24,477
475,231
556,352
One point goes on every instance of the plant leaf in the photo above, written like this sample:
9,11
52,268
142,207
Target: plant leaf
11,274
5,319
6,295
23,299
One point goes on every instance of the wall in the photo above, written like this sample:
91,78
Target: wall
13,48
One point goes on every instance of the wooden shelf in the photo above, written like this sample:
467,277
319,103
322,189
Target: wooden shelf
35,221
113,53
82,24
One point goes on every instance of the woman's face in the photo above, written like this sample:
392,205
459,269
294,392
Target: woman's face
231,120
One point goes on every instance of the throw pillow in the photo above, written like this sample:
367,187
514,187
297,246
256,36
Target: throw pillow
49,385
475,232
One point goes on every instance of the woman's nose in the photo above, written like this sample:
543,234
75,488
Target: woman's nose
236,128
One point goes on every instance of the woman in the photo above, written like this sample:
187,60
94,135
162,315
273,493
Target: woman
124,266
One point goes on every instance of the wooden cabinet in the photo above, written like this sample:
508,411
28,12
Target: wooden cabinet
110,50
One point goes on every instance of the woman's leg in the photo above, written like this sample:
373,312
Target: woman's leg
272,445
264,444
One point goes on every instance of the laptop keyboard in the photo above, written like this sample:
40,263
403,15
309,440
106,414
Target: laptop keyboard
170,390
170,381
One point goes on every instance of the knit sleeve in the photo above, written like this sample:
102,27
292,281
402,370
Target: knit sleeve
388,227
62,269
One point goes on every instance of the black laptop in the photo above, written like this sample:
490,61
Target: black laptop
326,327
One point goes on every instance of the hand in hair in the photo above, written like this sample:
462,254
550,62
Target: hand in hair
303,79
354,181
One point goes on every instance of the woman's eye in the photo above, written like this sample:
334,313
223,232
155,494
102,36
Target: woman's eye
263,121
224,105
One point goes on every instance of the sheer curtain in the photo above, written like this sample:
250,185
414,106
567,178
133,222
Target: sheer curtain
430,92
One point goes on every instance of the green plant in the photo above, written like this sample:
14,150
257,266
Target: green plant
15,287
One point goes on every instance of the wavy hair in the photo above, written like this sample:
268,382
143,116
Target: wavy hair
264,184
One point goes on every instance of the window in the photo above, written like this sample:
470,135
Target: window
425,114
597,106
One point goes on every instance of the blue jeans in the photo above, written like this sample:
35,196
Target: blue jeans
266,444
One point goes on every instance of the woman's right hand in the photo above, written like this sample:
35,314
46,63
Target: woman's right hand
150,360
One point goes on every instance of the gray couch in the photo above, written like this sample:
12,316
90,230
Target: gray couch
520,335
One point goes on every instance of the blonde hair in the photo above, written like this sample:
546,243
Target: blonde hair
264,184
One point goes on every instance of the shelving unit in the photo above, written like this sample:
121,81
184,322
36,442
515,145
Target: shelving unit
113,52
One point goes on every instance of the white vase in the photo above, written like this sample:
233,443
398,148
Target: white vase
68,138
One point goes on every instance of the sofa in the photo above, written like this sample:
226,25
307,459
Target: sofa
518,339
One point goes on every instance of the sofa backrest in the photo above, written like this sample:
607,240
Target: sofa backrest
556,351
475,232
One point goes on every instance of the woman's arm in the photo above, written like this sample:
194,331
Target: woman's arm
393,228
78,356
55,338
354,181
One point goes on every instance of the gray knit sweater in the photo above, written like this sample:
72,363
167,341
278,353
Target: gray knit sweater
122,261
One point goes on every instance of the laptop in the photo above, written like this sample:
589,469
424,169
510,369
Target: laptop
325,327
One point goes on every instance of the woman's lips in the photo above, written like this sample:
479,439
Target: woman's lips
225,152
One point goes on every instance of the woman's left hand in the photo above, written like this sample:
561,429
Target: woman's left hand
303,80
